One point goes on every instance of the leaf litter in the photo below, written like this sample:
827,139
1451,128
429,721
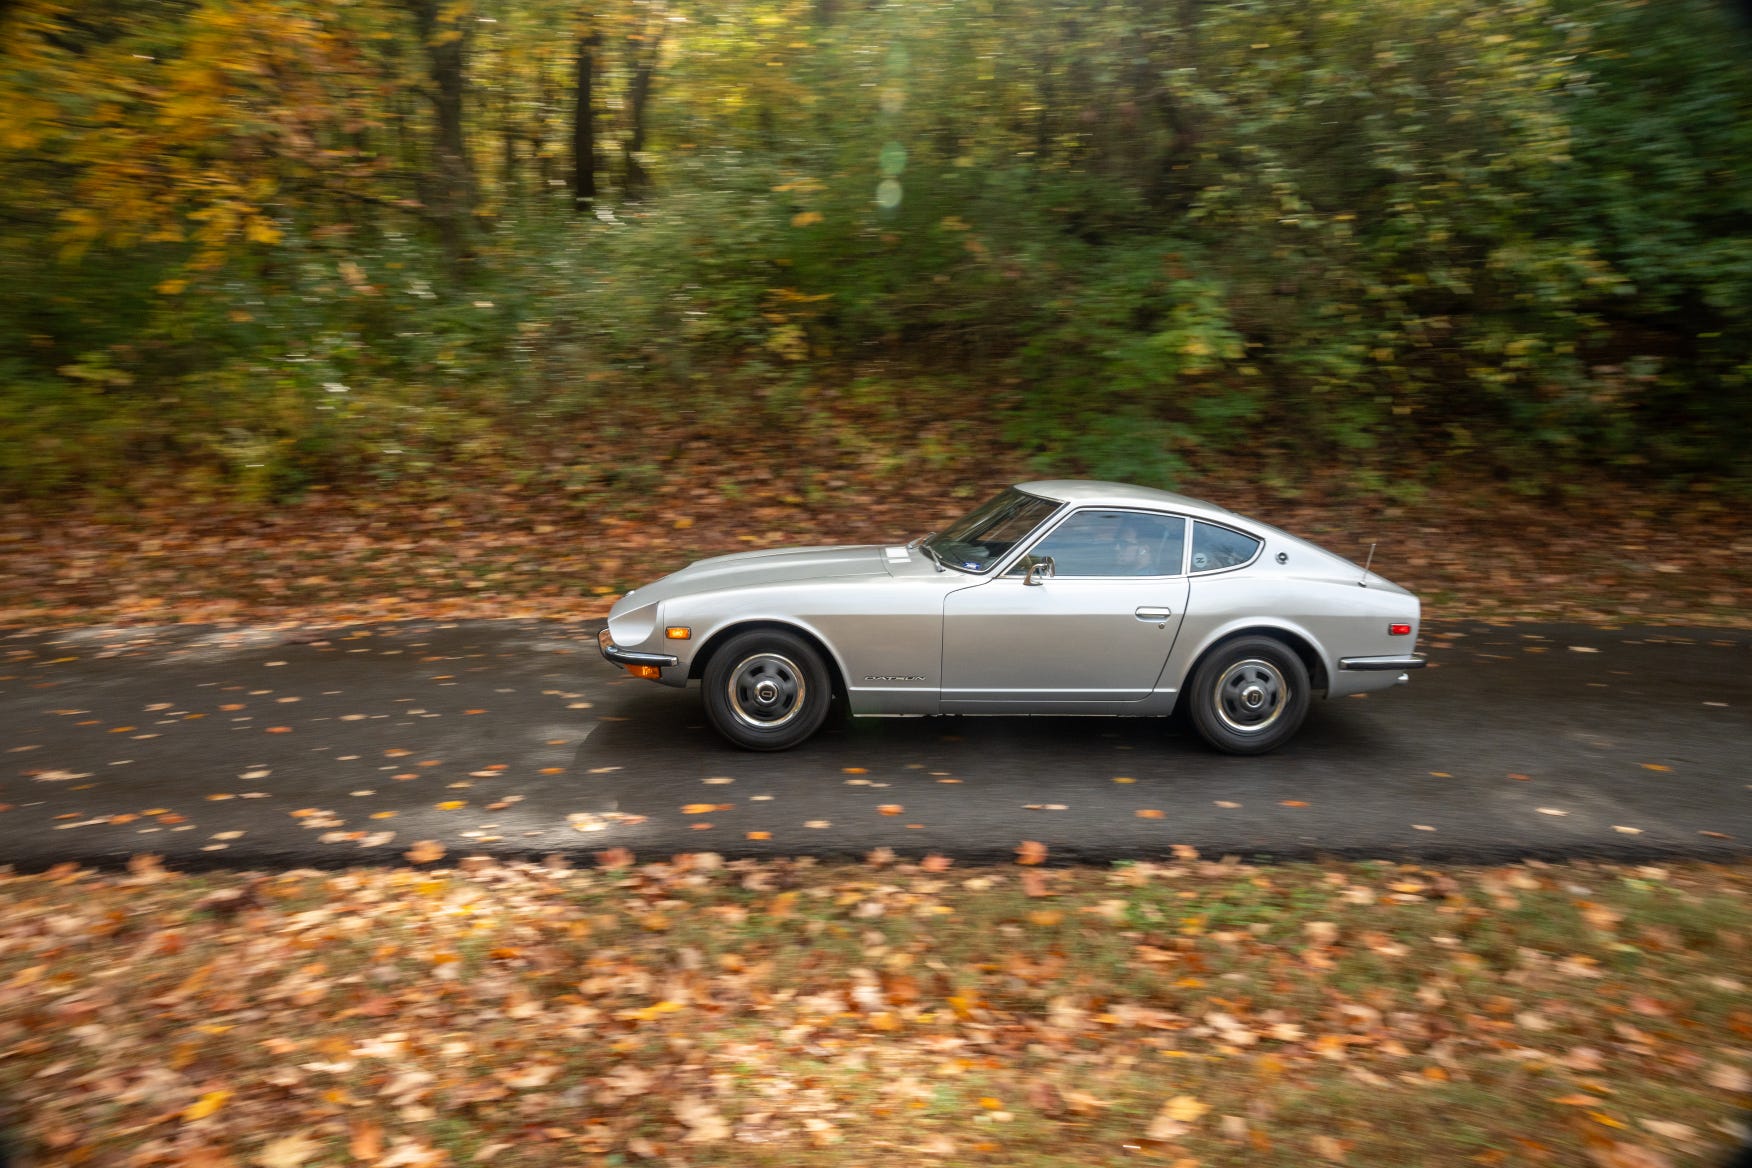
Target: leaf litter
699,1011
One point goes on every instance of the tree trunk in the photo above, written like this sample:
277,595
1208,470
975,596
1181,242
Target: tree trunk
510,172
638,102
584,126
1170,187
452,185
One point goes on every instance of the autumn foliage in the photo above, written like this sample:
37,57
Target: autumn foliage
251,249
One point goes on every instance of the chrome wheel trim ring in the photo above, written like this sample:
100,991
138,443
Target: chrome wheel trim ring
1250,696
766,691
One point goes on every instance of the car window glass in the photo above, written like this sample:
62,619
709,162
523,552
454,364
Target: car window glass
1112,543
990,530
1215,548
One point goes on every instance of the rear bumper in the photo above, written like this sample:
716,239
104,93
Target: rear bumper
619,656
1381,664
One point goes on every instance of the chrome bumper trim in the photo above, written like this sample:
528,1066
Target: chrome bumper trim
620,656
1380,664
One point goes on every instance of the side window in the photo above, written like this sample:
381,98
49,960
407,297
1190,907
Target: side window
1215,548
1112,543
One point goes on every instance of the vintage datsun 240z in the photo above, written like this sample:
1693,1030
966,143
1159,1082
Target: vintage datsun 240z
1060,597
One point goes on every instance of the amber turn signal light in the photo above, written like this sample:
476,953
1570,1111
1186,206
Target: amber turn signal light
678,632
648,672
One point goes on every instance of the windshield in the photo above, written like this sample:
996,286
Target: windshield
986,534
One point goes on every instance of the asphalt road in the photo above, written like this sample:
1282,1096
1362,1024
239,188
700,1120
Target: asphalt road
253,749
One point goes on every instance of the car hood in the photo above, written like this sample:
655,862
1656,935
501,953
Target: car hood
746,569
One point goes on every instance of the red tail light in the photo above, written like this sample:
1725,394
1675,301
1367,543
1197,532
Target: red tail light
1399,630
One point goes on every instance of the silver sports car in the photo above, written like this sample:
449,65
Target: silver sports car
1058,597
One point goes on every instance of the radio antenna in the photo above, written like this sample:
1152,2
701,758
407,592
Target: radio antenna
1364,582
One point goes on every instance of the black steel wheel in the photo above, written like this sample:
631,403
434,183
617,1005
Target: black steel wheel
767,690
1249,695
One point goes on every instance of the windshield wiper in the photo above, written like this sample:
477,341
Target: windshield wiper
922,544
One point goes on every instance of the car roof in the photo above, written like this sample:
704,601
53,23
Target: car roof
1102,494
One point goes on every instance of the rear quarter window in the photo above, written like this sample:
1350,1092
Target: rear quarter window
1215,548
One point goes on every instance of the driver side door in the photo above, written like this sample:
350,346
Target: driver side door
1090,638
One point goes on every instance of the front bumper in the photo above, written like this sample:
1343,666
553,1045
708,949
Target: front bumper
1381,664
619,656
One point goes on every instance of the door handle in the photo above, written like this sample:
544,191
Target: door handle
1154,614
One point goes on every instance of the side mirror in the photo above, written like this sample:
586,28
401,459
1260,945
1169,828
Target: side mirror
1039,571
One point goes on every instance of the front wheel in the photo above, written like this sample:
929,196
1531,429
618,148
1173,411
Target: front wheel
767,690
1249,696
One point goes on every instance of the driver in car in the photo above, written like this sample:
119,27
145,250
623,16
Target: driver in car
1129,551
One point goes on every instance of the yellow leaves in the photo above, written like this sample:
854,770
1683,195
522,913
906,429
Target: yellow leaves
1150,813
652,1012
171,287
792,296
206,1105
1656,766
806,218
1030,852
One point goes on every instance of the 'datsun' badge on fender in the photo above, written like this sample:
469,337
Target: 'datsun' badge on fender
894,679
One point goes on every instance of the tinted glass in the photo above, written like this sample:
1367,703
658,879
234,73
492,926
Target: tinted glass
1113,543
1215,548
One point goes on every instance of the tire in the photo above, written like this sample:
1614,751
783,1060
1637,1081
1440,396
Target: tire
767,690
1249,695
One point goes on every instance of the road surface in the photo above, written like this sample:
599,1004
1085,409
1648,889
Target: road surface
255,748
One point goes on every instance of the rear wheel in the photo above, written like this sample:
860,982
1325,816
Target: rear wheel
1249,696
767,690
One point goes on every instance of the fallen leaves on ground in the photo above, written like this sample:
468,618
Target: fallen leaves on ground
466,548
698,1010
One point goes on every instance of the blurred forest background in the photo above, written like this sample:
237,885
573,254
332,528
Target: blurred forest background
253,248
